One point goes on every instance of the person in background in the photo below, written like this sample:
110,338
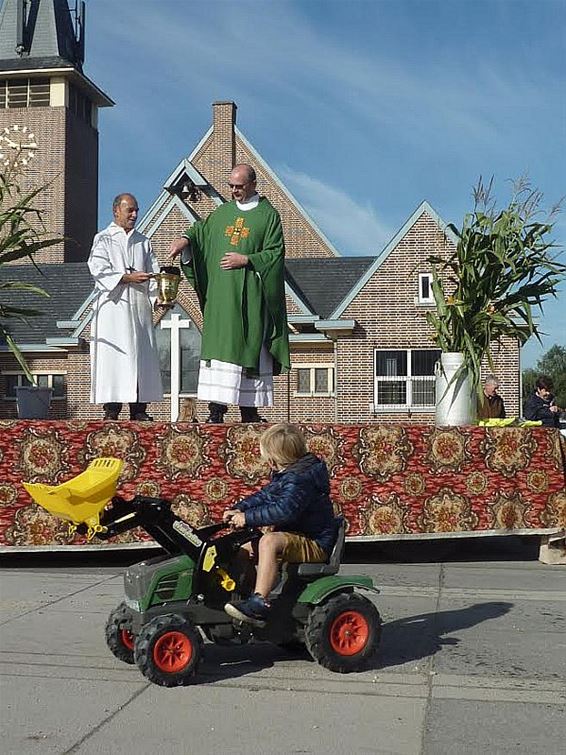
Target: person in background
235,261
491,406
540,405
123,350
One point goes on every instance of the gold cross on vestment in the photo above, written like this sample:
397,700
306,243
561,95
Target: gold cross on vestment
237,231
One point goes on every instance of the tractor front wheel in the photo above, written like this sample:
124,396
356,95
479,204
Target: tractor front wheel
343,633
119,637
168,650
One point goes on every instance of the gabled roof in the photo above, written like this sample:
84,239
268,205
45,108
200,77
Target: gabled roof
323,282
185,169
423,208
276,180
169,197
69,285
159,210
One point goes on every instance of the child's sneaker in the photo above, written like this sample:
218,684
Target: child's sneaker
254,610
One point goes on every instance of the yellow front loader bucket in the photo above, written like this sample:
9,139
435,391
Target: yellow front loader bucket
82,499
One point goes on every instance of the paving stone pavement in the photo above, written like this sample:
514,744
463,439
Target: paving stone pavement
473,660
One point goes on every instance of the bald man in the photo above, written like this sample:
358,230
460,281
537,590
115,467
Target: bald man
235,260
124,356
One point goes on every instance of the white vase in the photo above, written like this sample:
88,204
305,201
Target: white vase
454,405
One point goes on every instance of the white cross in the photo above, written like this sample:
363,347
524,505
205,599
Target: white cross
175,324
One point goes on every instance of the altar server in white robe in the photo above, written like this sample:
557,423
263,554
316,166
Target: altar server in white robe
124,355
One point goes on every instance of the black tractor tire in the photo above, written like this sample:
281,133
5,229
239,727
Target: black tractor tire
118,631
343,633
168,650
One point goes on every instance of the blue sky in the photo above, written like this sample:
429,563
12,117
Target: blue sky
416,98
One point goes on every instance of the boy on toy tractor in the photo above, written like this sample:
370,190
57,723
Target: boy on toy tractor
296,503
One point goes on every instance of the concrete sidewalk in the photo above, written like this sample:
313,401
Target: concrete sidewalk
473,660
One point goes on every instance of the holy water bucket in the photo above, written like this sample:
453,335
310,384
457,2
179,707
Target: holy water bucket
168,279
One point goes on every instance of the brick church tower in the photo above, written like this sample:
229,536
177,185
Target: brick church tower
46,100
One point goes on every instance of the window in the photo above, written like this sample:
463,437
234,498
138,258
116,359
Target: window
178,342
405,379
425,289
314,381
56,381
16,93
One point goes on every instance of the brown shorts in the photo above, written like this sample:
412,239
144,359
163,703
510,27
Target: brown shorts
300,549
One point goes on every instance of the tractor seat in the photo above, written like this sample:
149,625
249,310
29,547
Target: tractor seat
332,566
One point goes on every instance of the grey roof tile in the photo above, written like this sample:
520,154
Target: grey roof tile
323,283
69,285
26,64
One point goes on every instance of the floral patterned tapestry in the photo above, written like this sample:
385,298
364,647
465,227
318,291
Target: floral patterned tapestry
387,480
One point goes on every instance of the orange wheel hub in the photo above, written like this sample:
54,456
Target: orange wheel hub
172,652
349,633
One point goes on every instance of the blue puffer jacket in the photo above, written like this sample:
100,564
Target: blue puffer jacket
296,500
537,408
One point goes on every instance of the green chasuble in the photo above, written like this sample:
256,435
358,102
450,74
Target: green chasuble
241,308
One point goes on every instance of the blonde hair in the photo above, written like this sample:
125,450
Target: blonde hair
282,445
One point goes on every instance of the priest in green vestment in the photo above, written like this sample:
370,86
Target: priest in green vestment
235,260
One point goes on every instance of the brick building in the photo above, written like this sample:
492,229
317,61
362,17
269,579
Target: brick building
360,345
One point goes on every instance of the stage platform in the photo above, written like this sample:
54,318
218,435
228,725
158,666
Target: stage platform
390,481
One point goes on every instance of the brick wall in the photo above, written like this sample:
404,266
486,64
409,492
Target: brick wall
81,187
66,165
47,168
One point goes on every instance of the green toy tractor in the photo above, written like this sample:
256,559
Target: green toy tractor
172,600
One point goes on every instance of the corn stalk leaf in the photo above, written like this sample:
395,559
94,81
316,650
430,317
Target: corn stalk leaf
503,265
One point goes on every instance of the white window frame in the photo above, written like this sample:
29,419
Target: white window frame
312,393
21,381
425,299
407,379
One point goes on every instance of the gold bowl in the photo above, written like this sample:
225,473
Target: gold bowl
168,279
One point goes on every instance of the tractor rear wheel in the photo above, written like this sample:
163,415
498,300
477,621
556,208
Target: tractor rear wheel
343,633
168,650
119,637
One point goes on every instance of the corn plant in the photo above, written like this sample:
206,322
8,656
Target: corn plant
22,234
504,266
